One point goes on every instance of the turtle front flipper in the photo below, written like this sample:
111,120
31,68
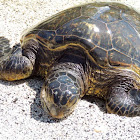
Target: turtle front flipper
14,65
124,99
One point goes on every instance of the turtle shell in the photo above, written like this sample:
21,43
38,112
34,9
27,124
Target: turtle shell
109,34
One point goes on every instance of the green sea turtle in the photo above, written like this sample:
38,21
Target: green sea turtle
93,49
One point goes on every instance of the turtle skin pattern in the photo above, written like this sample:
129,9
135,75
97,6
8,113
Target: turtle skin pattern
90,49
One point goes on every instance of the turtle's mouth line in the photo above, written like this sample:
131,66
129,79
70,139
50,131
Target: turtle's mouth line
54,113
46,107
48,110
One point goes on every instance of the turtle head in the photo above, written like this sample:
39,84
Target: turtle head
60,94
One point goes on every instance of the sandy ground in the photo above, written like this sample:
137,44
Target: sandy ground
21,116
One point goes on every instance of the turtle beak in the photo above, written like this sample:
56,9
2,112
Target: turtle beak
56,113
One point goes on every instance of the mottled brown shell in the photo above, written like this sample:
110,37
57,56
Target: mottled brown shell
109,33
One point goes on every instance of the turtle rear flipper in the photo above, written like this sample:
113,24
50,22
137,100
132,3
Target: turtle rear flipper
124,99
13,64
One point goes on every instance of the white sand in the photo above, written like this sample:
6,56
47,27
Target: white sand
21,117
